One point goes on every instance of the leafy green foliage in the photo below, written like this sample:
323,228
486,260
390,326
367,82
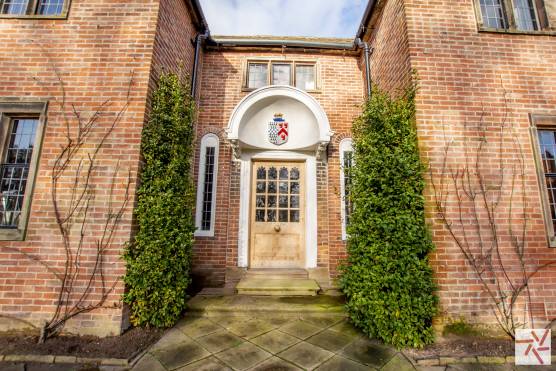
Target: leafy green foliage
158,262
387,279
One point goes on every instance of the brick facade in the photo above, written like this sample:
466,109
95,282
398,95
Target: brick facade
464,77
468,77
94,50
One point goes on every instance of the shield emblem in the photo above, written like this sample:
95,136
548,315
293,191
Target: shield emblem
278,130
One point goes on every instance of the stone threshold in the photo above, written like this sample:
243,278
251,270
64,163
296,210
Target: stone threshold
445,361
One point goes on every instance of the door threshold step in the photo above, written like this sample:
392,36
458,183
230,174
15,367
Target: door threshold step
277,287
276,273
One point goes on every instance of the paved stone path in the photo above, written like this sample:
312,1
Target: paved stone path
269,342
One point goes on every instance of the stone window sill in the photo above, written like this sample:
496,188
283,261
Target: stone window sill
518,32
34,16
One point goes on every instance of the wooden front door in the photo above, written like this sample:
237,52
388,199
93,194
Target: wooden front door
277,215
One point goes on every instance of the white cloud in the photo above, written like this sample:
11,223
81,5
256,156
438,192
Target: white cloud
324,18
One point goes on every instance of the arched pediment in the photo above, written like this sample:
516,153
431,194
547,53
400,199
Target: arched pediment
250,124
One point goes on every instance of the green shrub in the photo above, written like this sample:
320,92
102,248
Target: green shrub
387,279
158,261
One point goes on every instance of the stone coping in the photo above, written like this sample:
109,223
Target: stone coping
444,361
53,359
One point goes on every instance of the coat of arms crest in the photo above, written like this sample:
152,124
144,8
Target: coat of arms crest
278,130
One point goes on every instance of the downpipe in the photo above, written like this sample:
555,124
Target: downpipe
198,43
367,51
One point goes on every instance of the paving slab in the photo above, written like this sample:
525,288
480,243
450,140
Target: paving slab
275,364
300,329
206,364
398,363
250,329
330,340
305,355
11,366
338,363
322,321
170,338
431,368
368,352
219,341
180,355
148,363
244,356
346,328
275,341
200,327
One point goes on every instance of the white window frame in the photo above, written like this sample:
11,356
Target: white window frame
346,145
208,140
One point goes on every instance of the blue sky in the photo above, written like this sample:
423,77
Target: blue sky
324,18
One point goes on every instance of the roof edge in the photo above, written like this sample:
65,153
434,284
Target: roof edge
366,19
277,42
198,10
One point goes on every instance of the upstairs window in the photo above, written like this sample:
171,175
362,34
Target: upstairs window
299,74
257,75
281,74
513,15
39,8
305,76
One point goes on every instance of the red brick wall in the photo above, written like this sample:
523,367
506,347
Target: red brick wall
94,50
341,96
465,75
390,65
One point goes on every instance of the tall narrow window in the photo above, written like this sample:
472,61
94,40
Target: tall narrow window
257,75
525,16
206,186
346,162
493,14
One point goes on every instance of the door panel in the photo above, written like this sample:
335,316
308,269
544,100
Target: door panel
277,215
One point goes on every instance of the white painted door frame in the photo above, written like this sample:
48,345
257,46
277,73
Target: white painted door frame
310,204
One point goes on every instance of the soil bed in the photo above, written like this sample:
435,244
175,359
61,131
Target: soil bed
465,346
126,345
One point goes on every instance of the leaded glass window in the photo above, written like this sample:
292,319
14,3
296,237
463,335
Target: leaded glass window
14,7
277,194
281,74
305,77
493,14
50,7
346,172
257,75
15,169
524,13
206,186
547,142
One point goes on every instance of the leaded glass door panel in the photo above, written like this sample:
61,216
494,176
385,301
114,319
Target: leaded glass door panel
277,215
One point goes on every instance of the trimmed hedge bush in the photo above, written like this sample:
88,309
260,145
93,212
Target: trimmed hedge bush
387,280
158,261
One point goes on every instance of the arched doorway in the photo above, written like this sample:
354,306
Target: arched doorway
278,133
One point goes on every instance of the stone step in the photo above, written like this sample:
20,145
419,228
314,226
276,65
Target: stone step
276,273
277,287
246,305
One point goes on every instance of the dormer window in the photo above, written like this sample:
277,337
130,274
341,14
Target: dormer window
299,74
33,8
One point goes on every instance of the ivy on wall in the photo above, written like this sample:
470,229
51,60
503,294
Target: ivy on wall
159,259
387,280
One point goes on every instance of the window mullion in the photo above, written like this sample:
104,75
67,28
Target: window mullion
509,16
